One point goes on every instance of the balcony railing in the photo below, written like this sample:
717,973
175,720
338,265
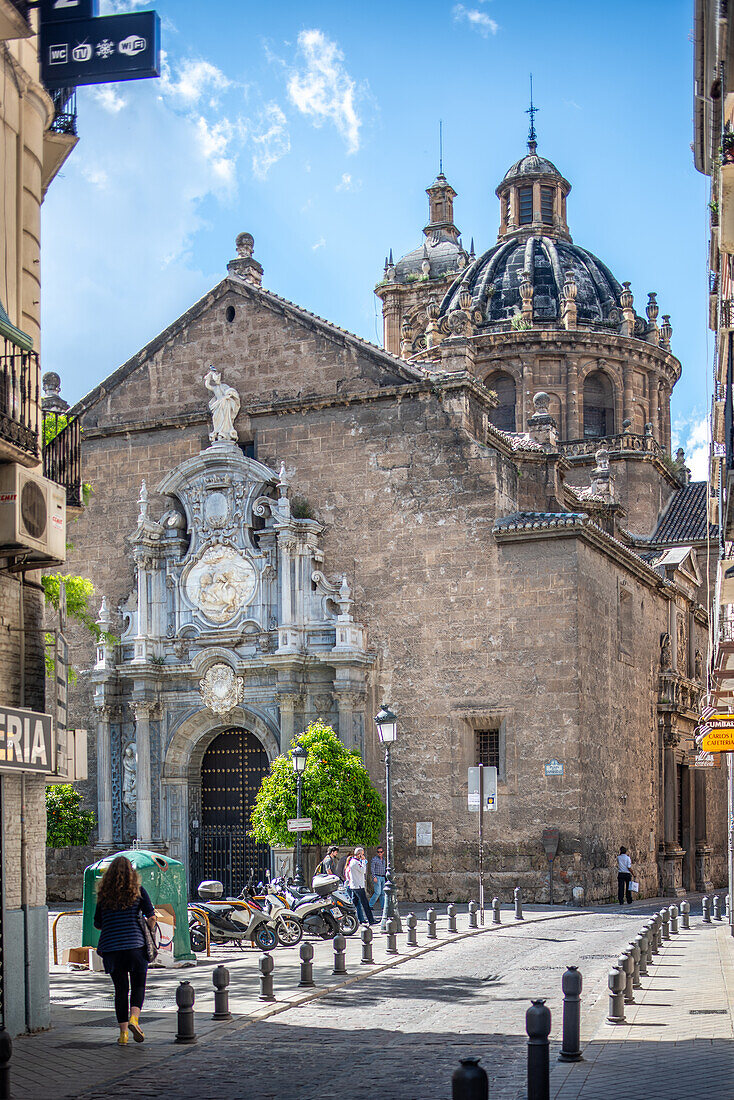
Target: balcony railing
62,455
727,313
627,441
64,121
20,397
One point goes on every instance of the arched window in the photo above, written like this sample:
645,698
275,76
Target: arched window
598,406
503,385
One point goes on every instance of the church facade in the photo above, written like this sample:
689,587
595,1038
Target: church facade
480,523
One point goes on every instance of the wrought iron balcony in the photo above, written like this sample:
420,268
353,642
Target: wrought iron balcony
62,455
64,121
20,397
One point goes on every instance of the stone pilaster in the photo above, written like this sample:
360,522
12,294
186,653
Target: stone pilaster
143,711
104,775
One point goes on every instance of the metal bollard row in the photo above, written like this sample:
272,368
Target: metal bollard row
717,907
616,982
220,978
665,918
571,984
469,1081
673,920
634,951
185,998
706,910
367,936
431,918
626,964
538,1025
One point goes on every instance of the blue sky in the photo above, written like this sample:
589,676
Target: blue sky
315,127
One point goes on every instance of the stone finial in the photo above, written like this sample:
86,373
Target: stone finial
652,308
390,268
626,298
245,266
569,307
683,472
570,290
648,430
602,480
666,331
345,599
627,425
425,263
143,502
526,295
406,337
542,428
104,619
52,401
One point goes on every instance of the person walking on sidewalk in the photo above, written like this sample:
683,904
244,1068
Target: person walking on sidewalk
330,863
377,869
624,876
356,872
122,905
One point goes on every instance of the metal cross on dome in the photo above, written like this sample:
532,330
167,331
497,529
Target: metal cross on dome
532,111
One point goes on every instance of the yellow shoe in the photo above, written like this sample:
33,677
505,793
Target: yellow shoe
122,1039
136,1029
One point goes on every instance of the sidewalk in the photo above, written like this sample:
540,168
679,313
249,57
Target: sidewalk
678,1039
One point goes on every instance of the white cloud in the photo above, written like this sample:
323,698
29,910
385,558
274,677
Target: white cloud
477,20
194,79
323,89
215,140
270,138
348,183
108,98
692,434
96,176
319,244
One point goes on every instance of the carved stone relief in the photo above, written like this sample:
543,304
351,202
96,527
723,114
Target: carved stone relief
221,691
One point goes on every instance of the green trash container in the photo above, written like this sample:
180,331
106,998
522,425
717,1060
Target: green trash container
164,879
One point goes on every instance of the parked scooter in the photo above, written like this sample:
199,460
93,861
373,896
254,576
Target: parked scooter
228,922
316,909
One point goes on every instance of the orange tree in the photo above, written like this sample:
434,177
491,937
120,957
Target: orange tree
338,795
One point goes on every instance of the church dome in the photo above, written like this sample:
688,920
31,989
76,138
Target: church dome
443,255
531,165
494,282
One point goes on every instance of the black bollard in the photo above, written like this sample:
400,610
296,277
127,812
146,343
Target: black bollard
706,910
367,937
665,918
266,966
185,1016
518,904
571,984
6,1050
340,955
431,918
451,914
717,907
616,982
220,978
633,950
685,914
306,954
626,965
538,1025
412,924
469,1081
496,913
673,920
392,942
472,918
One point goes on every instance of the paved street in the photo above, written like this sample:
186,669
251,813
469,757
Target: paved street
397,1033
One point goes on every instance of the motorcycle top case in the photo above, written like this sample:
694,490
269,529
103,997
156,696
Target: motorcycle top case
210,890
323,885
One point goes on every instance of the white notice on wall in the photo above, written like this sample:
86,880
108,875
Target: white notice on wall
424,834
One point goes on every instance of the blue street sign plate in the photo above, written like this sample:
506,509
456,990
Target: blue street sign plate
56,11
101,51
554,767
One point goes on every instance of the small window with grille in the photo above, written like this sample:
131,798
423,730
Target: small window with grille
546,205
488,748
525,196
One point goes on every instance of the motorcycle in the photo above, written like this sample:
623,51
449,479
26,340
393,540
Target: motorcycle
315,908
348,912
232,921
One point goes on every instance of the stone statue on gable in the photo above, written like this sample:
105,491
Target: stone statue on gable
224,406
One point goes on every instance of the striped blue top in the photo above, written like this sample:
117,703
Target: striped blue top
120,928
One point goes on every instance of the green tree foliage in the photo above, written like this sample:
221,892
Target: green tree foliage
338,795
79,591
66,823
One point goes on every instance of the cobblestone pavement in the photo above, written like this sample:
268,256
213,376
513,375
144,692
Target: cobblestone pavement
400,1033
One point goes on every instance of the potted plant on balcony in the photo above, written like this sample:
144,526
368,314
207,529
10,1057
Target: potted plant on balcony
727,147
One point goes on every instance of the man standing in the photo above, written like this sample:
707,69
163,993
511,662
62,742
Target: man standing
377,870
624,876
356,870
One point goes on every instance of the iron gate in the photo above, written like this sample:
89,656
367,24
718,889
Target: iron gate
231,773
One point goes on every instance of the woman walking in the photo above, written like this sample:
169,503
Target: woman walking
122,905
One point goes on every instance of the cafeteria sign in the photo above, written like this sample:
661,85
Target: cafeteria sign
25,741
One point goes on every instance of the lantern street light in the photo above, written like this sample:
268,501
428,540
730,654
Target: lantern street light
387,731
299,755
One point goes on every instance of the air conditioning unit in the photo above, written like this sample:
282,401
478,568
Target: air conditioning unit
32,514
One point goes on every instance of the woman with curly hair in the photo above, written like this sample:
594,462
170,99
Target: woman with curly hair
120,902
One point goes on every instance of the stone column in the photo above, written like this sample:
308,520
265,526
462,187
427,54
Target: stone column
573,430
287,706
703,849
143,709
104,776
670,797
654,407
627,396
350,730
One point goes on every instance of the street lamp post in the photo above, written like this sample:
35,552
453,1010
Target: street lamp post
387,731
299,756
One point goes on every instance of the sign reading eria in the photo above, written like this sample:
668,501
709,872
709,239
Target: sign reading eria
25,741
100,51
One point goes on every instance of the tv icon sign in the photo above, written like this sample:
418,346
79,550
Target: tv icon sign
82,53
